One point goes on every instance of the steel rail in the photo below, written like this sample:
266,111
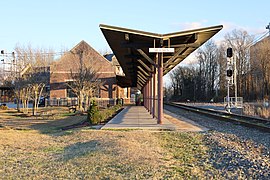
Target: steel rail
254,122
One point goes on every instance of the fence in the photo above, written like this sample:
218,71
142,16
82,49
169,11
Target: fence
234,102
101,102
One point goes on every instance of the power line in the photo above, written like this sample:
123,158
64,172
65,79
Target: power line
25,55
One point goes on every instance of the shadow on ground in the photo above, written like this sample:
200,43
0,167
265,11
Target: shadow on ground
45,125
80,149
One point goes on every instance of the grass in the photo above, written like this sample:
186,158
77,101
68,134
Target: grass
258,110
100,154
43,151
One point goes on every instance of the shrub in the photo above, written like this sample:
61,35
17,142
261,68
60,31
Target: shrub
93,114
3,107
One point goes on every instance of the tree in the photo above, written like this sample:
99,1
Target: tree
31,75
183,83
208,67
221,72
84,79
240,41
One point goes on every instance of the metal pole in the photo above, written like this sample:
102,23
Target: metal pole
154,93
228,85
160,88
151,95
143,97
228,96
147,96
235,82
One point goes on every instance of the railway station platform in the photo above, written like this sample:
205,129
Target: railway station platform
137,117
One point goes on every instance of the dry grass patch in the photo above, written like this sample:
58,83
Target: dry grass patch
11,119
99,154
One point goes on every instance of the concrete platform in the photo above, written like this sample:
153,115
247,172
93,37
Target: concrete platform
137,117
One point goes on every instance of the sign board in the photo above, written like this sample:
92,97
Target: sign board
160,50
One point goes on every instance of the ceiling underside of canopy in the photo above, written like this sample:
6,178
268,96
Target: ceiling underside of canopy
131,48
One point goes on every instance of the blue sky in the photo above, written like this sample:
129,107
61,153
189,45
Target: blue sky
61,24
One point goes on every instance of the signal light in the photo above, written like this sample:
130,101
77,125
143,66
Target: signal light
229,72
2,52
229,52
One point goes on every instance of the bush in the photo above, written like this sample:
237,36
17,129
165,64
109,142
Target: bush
3,107
95,116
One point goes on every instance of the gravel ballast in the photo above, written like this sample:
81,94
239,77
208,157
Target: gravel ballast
237,152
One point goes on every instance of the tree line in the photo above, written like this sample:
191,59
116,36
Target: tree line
205,80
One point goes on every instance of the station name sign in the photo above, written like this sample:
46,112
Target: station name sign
160,50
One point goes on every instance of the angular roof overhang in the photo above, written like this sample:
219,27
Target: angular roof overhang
131,48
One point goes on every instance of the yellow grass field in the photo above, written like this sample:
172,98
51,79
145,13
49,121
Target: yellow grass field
33,148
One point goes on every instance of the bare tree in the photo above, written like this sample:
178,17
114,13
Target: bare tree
221,73
239,41
208,68
31,74
85,81
183,83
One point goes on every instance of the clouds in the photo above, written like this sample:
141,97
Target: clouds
219,37
227,27
190,25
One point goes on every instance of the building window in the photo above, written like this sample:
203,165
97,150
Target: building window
70,92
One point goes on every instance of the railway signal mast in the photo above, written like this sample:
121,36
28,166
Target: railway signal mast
229,77
268,27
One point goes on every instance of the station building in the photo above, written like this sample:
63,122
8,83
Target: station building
106,67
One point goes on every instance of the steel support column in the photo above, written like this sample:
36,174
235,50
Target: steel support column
144,97
147,95
151,95
160,88
154,93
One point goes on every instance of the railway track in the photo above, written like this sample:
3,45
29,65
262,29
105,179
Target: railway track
253,122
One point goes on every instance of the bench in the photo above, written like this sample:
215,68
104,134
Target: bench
45,115
72,109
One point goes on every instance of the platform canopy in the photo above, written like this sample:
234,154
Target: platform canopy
131,48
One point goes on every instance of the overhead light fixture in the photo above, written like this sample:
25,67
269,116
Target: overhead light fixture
126,37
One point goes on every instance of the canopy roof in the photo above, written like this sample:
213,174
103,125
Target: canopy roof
131,48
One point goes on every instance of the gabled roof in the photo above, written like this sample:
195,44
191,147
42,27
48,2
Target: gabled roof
131,48
85,46
66,62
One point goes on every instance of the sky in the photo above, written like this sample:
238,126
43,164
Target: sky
61,24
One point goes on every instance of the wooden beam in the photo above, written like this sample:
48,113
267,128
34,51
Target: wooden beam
178,52
174,63
132,56
142,75
136,45
141,69
146,57
144,65
139,86
141,80
192,45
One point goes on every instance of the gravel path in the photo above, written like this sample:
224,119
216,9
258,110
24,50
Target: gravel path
237,152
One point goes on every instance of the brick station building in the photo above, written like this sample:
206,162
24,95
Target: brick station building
107,69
